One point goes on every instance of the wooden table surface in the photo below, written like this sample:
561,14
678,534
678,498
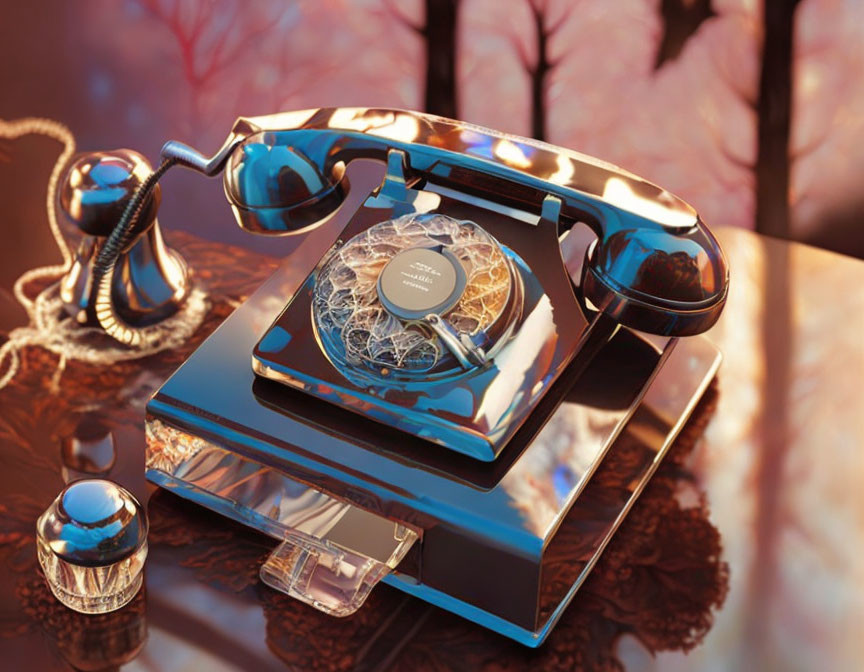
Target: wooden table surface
745,552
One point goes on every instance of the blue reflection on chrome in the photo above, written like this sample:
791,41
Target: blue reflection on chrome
563,480
275,339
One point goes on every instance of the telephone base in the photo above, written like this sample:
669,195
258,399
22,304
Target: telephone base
506,544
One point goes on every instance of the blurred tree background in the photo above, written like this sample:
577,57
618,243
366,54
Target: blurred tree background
751,111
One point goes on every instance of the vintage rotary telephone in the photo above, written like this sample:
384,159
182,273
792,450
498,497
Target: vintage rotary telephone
438,377
415,308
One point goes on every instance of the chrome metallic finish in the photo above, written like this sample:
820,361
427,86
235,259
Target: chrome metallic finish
97,185
92,542
151,281
657,283
656,266
419,285
275,190
542,403
421,280
275,504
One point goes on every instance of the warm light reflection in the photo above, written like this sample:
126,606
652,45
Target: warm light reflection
618,193
512,154
358,119
293,119
404,128
76,175
571,169
565,170
75,206
393,125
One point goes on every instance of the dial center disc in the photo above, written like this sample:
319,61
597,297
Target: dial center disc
419,281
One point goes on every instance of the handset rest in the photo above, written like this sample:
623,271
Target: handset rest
655,265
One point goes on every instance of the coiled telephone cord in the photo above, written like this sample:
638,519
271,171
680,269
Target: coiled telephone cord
103,269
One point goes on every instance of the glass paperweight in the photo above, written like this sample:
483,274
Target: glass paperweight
330,577
92,543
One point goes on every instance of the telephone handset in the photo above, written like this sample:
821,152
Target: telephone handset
654,266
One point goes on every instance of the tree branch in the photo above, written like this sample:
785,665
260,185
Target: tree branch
566,13
397,14
796,153
521,52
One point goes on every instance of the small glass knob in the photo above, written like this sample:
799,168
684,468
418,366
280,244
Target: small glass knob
92,543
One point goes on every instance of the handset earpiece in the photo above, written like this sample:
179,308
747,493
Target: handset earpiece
272,187
669,282
275,189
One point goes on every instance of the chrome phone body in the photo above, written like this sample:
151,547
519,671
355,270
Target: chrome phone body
436,400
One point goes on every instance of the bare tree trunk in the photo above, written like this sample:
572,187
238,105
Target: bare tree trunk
538,78
441,37
775,116
772,218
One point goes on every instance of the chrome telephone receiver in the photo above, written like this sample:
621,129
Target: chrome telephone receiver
655,266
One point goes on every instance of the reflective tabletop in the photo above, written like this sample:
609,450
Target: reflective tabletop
744,552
